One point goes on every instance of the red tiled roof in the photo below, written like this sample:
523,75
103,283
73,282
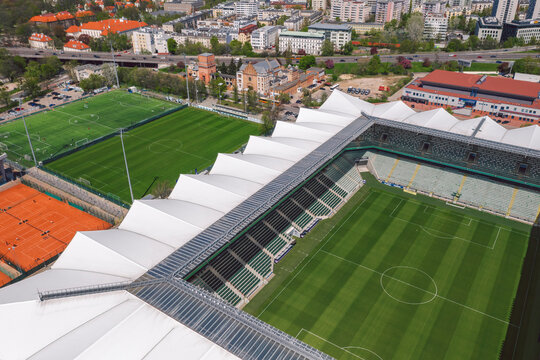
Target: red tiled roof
39,37
492,83
73,29
83,13
77,45
45,18
534,105
64,15
114,25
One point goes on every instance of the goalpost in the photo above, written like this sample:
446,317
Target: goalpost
81,142
84,181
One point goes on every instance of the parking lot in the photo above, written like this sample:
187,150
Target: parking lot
366,87
58,96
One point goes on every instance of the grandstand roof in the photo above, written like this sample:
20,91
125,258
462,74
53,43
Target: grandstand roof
165,239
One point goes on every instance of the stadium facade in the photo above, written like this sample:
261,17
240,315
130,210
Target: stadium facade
171,278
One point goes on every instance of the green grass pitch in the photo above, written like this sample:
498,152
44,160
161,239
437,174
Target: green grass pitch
67,126
180,142
397,276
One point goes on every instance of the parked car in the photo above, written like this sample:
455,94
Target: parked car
298,101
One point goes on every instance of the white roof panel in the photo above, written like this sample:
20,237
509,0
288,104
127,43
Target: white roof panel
325,116
396,110
438,119
293,130
267,145
528,136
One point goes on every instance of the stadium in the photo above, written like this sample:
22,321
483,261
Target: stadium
360,231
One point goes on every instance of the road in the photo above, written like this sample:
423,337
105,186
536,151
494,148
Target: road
126,59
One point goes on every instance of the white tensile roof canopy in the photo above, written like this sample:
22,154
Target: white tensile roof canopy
119,325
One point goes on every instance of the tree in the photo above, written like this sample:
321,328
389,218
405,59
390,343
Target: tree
162,189
235,94
236,47
231,70
284,98
92,82
373,51
85,38
503,68
415,27
373,65
267,123
247,50
172,46
327,48
347,48
30,85
252,100
406,63
329,64
5,97
215,46
426,62
306,62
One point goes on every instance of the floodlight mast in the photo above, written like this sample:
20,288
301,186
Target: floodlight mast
127,169
28,135
187,77
114,61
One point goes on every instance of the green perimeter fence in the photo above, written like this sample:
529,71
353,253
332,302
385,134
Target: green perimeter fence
113,199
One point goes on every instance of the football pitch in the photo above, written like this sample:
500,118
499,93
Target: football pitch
177,143
56,131
398,276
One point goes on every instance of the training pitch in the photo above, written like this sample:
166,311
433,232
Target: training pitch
397,276
177,143
65,127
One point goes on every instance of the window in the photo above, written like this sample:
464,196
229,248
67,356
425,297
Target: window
426,147
384,137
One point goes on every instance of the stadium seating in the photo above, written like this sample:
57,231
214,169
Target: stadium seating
526,204
242,267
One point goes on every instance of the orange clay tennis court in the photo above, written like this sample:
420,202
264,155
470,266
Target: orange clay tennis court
34,227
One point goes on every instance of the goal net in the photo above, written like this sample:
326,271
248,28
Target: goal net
81,142
84,181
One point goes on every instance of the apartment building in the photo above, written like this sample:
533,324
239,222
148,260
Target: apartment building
338,34
310,42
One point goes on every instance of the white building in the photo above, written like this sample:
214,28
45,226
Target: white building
246,8
534,10
504,10
310,42
318,5
265,37
339,35
150,40
40,41
489,26
435,26
388,10
524,29
433,6
350,10
294,23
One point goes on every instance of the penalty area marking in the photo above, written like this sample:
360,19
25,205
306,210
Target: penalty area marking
344,348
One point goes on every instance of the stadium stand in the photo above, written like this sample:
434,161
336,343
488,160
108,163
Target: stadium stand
168,275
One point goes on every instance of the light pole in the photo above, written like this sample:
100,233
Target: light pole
220,84
196,90
187,77
245,108
114,61
28,134
127,170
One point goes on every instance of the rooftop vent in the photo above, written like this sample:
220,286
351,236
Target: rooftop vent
482,79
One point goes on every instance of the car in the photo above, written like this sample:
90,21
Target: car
452,55
73,55
133,58
323,88
505,121
96,56
19,109
368,91
55,93
498,62
154,56
479,57
11,111
1,118
117,55
298,101
342,60
415,56
493,56
409,58
51,105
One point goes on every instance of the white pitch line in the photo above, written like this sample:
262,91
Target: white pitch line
393,211
311,258
496,238
429,292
